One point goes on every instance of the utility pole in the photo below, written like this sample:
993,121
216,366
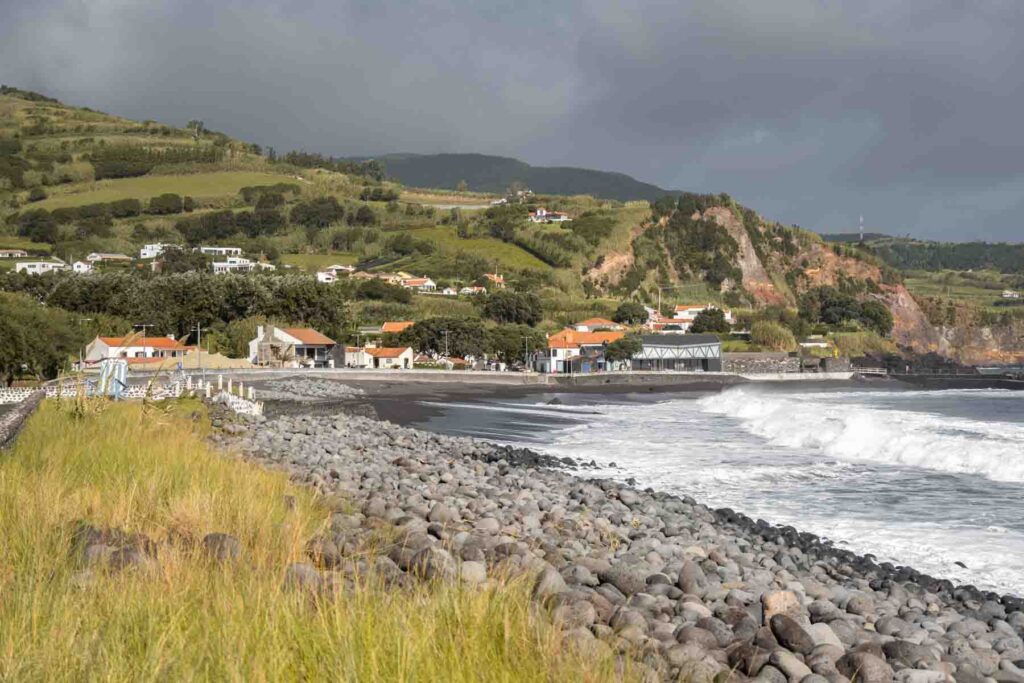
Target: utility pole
81,354
143,337
445,343
199,348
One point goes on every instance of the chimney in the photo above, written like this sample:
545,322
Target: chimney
259,332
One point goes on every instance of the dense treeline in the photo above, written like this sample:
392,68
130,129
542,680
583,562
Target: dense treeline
462,337
833,307
41,225
173,304
37,340
909,255
371,169
124,161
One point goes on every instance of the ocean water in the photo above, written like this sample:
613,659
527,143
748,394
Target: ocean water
931,479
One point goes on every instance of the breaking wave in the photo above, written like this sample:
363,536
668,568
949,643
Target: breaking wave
844,426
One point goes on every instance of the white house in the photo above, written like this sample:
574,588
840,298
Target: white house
471,291
239,264
221,251
81,267
100,257
449,291
340,270
568,348
326,276
149,251
1010,294
379,357
39,267
420,284
542,215
595,324
291,347
233,264
13,253
690,312
136,346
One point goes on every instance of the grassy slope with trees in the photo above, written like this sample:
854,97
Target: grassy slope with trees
74,181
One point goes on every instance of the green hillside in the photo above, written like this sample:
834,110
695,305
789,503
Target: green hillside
485,173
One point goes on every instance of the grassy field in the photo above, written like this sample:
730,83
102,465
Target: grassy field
490,248
12,242
186,618
980,288
314,262
194,185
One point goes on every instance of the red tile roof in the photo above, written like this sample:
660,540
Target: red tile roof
149,342
396,326
307,335
387,351
571,339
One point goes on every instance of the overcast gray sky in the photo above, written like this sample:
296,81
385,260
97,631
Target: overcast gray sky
811,112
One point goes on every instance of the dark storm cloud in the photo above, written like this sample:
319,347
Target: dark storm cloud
812,111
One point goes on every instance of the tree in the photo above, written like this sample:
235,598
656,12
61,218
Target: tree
462,336
876,316
710,320
463,186
36,194
505,306
36,339
623,349
378,290
197,128
510,343
38,225
165,204
364,215
183,261
630,313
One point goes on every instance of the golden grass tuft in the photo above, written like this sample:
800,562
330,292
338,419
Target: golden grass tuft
188,619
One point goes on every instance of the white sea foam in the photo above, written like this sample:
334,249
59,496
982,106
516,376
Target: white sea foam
846,427
906,476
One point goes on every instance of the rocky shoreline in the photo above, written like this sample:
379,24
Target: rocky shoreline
687,592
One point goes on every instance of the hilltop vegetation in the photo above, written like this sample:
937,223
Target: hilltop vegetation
486,173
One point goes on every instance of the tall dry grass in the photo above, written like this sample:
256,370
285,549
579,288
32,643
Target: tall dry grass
149,470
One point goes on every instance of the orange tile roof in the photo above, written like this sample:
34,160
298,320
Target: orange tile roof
386,351
698,307
396,326
150,342
307,335
571,339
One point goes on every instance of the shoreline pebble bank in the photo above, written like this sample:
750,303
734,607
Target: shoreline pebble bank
688,592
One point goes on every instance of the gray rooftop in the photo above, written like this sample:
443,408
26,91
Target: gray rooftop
679,339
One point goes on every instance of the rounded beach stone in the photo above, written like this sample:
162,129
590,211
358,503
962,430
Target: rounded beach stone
222,547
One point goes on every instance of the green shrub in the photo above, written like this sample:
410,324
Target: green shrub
772,335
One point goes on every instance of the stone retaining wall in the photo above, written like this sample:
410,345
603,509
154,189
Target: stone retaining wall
12,422
759,363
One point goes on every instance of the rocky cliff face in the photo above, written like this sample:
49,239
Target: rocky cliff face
756,279
984,345
768,271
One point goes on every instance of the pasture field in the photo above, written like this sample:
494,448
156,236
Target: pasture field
198,185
